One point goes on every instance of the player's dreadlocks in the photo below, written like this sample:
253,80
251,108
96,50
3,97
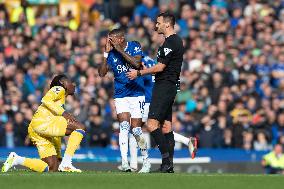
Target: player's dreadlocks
57,80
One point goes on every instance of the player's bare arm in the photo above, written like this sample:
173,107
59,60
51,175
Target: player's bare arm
135,61
152,70
103,69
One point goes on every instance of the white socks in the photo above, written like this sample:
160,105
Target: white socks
123,139
138,134
181,139
67,159
133,148
19,160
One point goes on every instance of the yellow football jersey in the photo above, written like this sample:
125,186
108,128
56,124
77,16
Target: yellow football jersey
48,119
52,103
48,125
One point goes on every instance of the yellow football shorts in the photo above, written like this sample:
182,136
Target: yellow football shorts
44,135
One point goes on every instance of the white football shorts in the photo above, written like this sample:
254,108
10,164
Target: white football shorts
145,112
133,105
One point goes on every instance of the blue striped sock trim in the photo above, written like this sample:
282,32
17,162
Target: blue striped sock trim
81,131
46,169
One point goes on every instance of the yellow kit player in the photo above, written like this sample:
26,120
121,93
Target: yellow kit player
49,123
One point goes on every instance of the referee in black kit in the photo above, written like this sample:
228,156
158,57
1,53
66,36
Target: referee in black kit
167,70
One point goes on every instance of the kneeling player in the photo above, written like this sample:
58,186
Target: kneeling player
49,123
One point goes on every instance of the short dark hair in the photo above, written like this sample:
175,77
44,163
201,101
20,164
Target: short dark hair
57,80
168,17
118,31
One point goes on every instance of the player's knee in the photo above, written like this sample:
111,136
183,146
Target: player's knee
124,126
52,166
81,127
167,127
152,125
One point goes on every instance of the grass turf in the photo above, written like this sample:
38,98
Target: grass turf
117,180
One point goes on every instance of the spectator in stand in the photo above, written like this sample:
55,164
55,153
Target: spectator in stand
146,9
231,81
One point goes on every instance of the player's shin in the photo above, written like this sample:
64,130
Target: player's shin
182,139
123,140
170,139
133,152
35,165
162,144
73,143
142,144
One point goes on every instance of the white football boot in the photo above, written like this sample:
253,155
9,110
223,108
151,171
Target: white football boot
146,167
10,162
68,168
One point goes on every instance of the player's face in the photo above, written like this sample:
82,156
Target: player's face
160,25
119,38
70,87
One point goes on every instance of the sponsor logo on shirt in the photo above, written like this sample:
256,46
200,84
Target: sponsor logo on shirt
167,51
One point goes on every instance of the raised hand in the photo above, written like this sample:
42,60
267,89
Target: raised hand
132,74
108,46
116,44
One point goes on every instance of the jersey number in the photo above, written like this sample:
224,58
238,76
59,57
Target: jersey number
122,68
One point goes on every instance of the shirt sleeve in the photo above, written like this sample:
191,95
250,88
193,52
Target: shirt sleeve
108,60
54,94
165,53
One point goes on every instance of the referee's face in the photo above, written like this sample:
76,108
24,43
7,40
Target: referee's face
160,25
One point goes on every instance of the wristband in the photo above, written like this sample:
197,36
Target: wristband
138,73
105,54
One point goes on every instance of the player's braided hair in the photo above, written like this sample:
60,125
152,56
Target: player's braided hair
57,80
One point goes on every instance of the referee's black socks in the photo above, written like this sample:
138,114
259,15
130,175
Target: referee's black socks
163,145
171,141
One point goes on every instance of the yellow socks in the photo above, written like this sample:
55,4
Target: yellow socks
35,165
73,143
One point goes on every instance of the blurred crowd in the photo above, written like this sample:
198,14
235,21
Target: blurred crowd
232,80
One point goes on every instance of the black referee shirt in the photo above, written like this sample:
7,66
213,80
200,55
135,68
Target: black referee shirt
170,54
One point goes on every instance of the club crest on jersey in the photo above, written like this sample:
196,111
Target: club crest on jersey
115,59
167,51
56,90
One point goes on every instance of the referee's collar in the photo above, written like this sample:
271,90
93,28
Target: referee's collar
170,35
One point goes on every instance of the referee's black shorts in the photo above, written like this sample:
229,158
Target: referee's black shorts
163,96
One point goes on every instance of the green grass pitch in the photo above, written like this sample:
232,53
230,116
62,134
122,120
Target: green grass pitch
117,180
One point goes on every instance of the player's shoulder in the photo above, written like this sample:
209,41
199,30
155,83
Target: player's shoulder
174,39
57,89
134,46
173,42
111,53
135,43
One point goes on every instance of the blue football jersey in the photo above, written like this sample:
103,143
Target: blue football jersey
149,80
124,87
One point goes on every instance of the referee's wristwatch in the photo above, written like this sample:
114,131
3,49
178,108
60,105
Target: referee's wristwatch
138,73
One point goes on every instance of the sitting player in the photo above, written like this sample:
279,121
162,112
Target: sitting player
49,123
